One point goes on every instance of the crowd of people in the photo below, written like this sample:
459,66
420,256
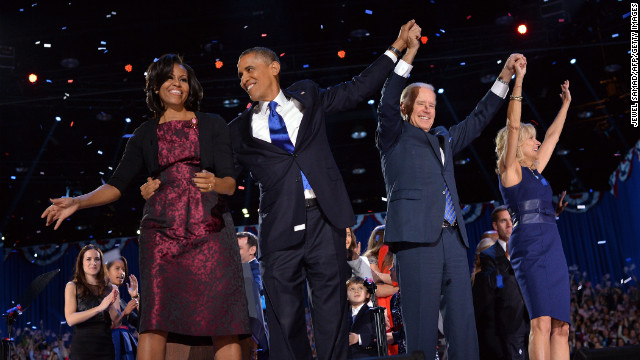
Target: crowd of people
186,231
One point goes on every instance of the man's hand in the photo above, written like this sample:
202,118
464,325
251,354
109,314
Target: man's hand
509,67
149,188
413,37
353,338
401,41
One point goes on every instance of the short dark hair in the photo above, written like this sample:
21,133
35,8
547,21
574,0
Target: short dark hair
160,71
494,213
252,240
266,54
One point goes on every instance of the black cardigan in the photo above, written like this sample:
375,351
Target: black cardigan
141,151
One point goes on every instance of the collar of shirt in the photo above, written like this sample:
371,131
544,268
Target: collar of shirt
355,311
503,244
289,109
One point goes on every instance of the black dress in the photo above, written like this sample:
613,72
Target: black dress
92,338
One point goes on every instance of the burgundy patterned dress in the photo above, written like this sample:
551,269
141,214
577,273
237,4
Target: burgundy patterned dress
191,275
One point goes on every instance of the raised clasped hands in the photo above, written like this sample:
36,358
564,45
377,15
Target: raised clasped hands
520,67
509,67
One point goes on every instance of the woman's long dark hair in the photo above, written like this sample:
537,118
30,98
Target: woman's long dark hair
160,71
79,278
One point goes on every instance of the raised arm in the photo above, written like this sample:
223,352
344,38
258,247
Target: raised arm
62,208
553,133
348,95
71,313
510,171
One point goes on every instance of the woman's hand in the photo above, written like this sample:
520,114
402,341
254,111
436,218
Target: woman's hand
132,286
520,67
61,209
566,94
149,188
205,181
132,305
108,300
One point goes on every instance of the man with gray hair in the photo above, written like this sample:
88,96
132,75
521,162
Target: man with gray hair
424,221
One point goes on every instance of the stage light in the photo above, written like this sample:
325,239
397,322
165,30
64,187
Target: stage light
127,120
572,61
245,211
441,91
33,78
358,171
128,68
281,55
218,64
58,118
371,102
424,39
240,187
70,81
368,12
522,29
341,54
264,35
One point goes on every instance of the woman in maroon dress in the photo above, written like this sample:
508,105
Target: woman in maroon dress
190,270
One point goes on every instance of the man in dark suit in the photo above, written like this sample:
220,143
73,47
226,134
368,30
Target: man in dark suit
248,244
304,207
424,221
504,299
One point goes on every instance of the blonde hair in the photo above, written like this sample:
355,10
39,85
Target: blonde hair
526,131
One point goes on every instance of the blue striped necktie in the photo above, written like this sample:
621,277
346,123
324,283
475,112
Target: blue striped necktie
280,136
449,210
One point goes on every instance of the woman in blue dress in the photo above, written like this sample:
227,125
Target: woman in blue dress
535,247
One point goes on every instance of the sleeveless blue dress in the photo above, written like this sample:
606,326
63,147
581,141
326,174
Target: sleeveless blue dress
535,247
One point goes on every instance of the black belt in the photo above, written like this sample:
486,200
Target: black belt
311,202
446,224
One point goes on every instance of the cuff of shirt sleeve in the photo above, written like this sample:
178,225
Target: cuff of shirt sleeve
500,89
359,340
403,68
391,55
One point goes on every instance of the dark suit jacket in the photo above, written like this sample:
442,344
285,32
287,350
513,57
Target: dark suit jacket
510,310
363,326
257,277
500,309
282,205
141,151
412,165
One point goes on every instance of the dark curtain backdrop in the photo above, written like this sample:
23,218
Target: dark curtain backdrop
603,240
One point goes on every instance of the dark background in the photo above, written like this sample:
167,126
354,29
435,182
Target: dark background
50,158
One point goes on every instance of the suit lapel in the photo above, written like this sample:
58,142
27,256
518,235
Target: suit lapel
247,133
306,121
433,140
